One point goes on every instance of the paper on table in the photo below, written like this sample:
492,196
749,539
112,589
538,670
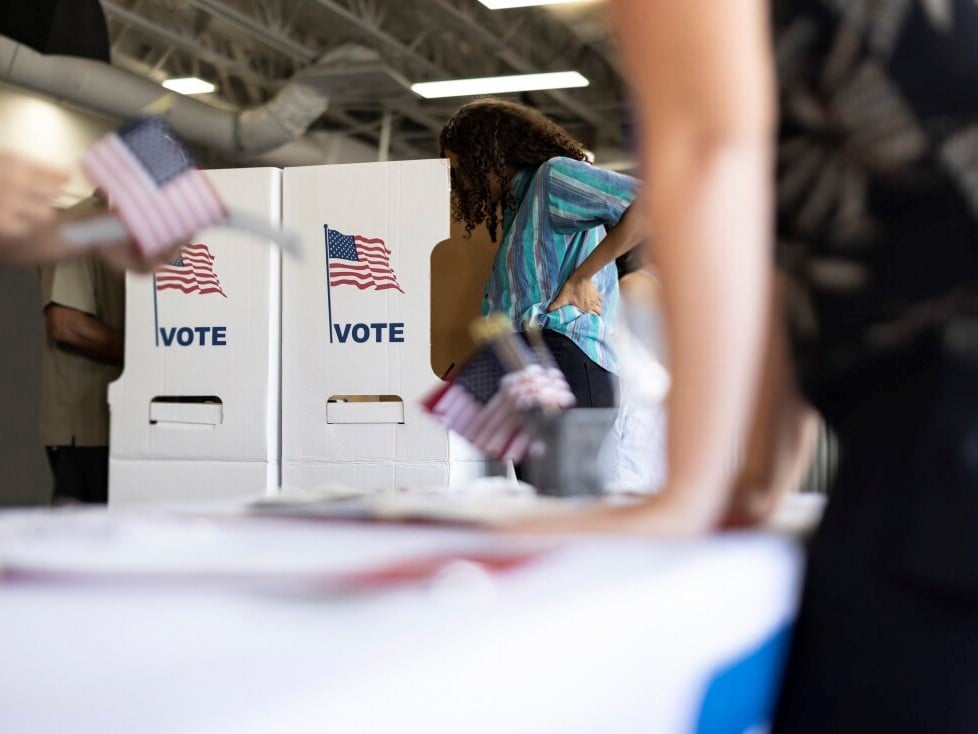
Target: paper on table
435,506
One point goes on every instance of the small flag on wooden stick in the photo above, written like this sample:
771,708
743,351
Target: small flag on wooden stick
158,195
153,185
488,400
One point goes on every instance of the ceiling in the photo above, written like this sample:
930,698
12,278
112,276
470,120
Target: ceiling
370,51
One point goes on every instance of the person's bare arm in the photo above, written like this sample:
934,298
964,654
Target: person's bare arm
80,332
31,229
579,290
704,88
782,439
42,240
28,191
641,288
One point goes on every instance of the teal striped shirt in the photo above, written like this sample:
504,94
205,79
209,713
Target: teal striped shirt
564,210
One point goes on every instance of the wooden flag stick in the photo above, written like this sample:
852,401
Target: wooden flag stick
540,349
498,333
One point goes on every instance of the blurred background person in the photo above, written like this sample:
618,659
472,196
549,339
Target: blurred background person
639,431
84,320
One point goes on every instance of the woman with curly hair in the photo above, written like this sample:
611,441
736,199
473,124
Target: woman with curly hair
562,223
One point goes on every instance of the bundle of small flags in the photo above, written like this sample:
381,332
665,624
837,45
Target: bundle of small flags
489,400
153,184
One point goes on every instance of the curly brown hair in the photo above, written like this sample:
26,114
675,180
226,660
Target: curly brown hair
496,137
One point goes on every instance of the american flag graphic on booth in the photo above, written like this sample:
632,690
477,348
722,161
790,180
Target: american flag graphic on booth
192,272
362,262
153,184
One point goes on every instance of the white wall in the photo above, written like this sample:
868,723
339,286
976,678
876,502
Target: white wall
49,131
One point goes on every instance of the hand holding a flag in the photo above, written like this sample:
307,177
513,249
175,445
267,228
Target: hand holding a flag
158,196
158,199
28,191
118,250
32,229
125,255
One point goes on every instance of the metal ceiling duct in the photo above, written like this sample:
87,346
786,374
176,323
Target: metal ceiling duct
104,88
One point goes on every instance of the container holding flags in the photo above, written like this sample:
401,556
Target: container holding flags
512,402
356,329
195,414
490,399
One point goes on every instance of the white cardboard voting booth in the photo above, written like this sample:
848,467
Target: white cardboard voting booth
196,411
356,328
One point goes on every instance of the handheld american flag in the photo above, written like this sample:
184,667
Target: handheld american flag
192,272
153,185
359,261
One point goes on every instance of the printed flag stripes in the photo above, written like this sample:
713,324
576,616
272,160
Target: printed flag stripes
153,185
192,272
359,261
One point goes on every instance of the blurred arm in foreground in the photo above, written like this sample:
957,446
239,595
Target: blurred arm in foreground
31,228
705,93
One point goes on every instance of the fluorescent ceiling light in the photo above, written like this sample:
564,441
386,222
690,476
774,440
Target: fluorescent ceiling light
504,4
189,85
499,84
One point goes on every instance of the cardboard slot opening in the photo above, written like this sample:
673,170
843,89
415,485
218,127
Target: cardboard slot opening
365,409
186,410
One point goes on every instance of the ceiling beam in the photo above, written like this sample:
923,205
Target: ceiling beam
517,62
257,30
380,35
190,45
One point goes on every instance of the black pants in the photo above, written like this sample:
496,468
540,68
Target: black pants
81,473
593,386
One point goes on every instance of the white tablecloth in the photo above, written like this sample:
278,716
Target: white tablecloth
598,635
